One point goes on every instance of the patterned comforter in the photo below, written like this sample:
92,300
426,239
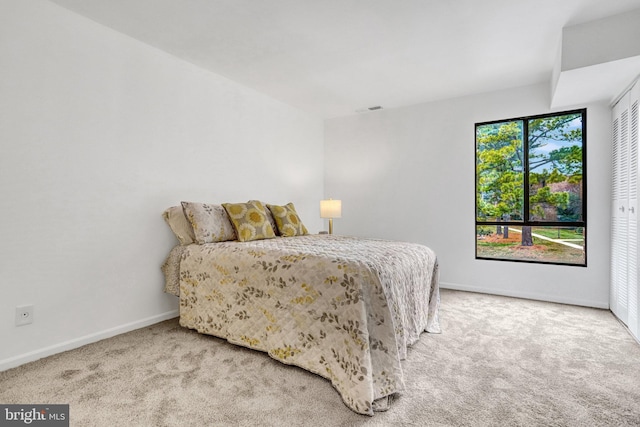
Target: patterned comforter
344,308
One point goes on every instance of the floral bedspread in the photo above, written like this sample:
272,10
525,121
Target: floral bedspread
344,308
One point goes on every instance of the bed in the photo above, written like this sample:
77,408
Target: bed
344,308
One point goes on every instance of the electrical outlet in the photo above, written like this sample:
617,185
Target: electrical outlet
24,315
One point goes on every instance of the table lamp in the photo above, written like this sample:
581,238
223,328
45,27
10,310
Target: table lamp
330,209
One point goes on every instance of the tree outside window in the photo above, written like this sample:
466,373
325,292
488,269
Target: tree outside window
530,192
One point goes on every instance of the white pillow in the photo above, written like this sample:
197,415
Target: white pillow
210,223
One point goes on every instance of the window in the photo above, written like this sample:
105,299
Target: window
531,189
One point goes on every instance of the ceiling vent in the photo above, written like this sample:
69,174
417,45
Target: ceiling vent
364,110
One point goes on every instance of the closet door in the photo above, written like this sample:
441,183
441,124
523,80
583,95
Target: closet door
633,320
620,210
625,261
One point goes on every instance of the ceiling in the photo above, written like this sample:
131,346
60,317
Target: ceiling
335,57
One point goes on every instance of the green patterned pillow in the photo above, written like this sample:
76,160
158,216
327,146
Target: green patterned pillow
249,220
287,220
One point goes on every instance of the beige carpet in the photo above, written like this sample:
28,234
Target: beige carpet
499,362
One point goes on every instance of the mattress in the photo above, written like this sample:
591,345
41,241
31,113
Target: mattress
342,307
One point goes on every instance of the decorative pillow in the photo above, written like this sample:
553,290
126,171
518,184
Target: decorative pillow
210,223
249,220
269,217
175,219
287,220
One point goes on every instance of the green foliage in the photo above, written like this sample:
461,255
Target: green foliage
553,128
567,159
575,178
556,176
500,166
485,230
538,178
572,211
543,178
544,195
574,233
499,169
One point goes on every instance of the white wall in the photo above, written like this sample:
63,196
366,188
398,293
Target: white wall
604,40
408,174
99,134
596,60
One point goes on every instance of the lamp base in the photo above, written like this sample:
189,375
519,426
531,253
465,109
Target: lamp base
330,225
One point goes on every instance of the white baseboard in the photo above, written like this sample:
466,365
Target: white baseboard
13,362
525,295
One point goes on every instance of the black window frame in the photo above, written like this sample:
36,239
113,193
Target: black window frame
526,221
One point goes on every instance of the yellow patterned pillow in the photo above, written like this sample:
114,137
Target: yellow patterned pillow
269,217
249,220
287,220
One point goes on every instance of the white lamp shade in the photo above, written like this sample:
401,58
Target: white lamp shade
330,208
